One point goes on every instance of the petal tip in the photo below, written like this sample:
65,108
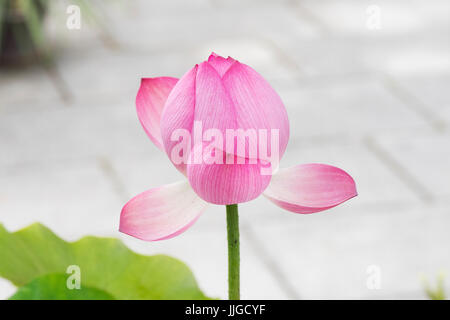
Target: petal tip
161,213
150,101
311,188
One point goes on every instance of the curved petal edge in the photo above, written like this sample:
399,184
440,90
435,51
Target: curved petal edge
310,188
150,101
228,181
161,213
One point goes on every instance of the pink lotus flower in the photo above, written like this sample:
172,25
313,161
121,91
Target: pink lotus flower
221,94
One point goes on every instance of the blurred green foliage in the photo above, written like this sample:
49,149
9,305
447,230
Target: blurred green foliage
437,293
49,287
36,259
22,32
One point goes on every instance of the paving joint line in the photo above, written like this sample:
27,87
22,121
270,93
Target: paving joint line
401,172
306,15
284,58
111,174
413,103
270,263
58,83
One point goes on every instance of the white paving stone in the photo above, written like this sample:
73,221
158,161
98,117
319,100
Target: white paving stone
74,198
71,133
352,106
99,74
142,171
186,28
396,55
402,57
327,255
412,39
402,17
30,88
431,91
424,156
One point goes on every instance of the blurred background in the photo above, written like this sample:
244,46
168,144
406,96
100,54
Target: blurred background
366,86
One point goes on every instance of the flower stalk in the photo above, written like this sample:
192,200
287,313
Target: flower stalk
233,252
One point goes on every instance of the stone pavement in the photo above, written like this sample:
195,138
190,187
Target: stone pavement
370,98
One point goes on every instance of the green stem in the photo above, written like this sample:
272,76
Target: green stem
233,251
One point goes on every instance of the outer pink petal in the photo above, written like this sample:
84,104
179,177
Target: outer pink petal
310,188
256,103
178,112
150,100
226,183
161,213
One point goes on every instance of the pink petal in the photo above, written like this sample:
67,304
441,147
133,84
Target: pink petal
241,100
213,107
222,183
220,64
178,113
256,104
217,108
161,213
310,188
150,101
